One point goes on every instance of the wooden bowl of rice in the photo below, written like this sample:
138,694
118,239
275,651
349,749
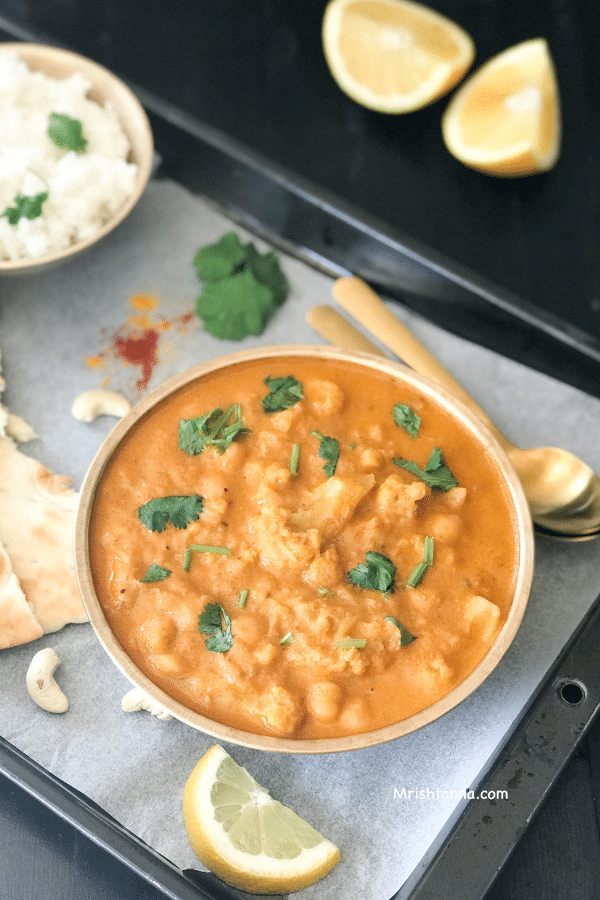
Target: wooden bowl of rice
95,189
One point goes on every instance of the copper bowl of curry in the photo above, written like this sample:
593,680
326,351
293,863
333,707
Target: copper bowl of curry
303,550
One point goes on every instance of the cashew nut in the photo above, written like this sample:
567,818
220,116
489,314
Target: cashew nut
41,685
138,699
91,404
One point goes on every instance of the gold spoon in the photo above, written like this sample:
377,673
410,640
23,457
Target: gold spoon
562,491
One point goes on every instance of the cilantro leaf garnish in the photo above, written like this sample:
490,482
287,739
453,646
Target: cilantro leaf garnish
405,636
406,418
283,393
216,428
436,473
266,269
155,573
66,133
220,635
178,510
242,287
235,307
221,259
376,573
25,207
329,449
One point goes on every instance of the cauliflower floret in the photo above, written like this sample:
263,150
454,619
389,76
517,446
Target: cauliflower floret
455,497
483,616
332,503
398,500
324,397
281,710
369,457
158,633
324,571
444,527
279,547
284,419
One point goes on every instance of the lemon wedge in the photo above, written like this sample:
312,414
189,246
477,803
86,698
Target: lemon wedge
393,56
244,836
505,119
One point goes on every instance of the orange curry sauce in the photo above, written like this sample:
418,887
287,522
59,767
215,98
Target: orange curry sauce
285,543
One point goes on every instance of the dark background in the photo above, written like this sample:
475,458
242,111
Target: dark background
254,71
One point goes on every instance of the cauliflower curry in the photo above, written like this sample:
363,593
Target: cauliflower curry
303,548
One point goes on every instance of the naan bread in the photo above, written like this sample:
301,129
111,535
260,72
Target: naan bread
37,516
18,624
38,589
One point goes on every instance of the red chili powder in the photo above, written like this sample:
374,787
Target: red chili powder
139,351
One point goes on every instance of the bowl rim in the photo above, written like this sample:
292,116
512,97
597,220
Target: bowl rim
43,57
481,432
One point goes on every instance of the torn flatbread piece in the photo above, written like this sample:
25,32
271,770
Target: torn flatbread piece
18,625
37,520
12,425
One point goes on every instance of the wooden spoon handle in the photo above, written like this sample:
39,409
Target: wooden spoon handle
357,298
332,326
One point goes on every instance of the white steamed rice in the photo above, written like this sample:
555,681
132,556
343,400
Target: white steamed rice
84,190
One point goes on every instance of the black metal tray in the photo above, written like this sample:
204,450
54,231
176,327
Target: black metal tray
508,263
338,236
481,839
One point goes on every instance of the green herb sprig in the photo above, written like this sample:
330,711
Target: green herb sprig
66,132
436,473
405,636
25,207
406,418
242,287
220,635
377,573
283,393
155,572
216,429
156,514
329,449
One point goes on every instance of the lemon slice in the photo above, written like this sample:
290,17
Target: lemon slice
244,836
393,56
505,119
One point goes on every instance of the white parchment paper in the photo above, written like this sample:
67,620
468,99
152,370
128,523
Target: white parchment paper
382,806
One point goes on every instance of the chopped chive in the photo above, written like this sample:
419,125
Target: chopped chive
418,572
428,551
416,576
295,459
201,548
207,548
351,644
242,597
323,591
287,638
